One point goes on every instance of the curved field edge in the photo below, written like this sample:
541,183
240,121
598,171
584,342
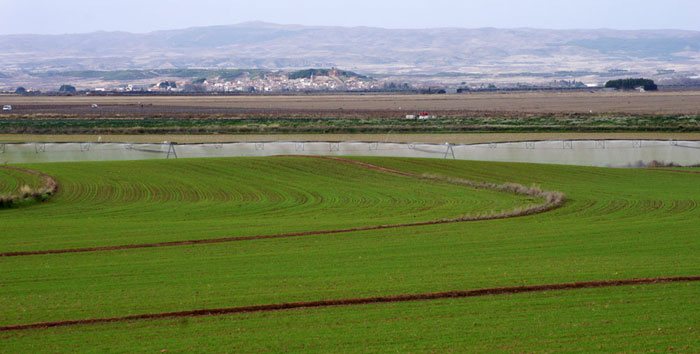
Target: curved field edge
214,198
356,302
621,319
549,200
26,193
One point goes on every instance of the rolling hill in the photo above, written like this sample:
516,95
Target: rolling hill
441,51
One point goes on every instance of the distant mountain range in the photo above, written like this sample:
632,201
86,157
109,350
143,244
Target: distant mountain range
440,52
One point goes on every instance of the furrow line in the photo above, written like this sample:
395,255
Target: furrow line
356,302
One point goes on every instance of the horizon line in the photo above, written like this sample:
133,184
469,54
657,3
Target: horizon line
309,26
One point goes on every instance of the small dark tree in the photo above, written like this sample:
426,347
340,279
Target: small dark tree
67,89
651,86
21,91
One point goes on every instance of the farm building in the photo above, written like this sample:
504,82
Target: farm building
421,116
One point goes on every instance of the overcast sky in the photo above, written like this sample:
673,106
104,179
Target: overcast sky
77,16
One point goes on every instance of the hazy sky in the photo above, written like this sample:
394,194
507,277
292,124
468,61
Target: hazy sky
75,16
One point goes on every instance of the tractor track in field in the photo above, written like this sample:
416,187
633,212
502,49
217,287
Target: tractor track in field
356,302
553,200
678,171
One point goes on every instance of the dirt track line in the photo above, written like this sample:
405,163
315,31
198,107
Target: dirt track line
536,209
676,171
356,301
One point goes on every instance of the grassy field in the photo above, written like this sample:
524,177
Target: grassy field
200,199
661,318
12,180
617,224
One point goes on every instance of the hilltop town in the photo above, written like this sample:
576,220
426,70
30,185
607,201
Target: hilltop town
193,81
266,82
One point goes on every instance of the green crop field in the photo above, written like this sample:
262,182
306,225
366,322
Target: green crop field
322,214
11,181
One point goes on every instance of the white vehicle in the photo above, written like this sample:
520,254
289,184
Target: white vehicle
6,108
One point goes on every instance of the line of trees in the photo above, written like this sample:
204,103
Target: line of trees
631,84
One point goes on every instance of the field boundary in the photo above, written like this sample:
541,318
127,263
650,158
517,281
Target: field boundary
552,200
357,301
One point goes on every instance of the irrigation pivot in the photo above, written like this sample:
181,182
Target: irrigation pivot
610,153
171,150
450,150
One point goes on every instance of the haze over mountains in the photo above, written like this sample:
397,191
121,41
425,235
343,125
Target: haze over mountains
479,54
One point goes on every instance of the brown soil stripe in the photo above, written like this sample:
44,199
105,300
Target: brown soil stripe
357,301
676,171
550,204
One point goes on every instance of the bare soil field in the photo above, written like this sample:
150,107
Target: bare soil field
571,112
668,102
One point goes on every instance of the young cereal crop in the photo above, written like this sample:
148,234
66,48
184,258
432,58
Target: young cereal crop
590,259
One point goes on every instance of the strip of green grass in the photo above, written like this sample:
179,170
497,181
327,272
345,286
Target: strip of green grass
618,224
337,122
657,318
